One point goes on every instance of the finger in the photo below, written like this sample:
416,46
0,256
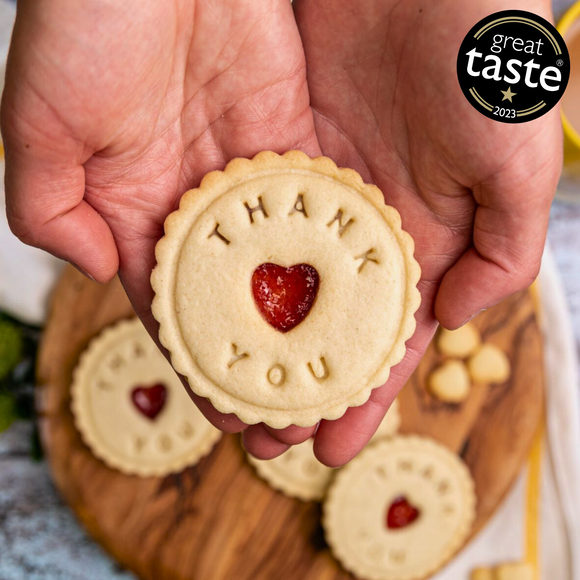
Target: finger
292,435
337,442
259,443
228,423
509,235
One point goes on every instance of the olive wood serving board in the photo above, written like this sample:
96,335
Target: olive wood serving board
217,520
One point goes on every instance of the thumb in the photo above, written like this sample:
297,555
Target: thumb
509,235
45,204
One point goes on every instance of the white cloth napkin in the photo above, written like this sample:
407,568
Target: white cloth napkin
503,539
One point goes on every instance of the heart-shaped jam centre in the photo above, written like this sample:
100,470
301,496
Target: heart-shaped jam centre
401,513
149,400
284,296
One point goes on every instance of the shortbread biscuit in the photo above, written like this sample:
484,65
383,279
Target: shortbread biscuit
482,574
399,510
298,473
515,571
285,289
450,382
512,571
131,408
489,364
459,343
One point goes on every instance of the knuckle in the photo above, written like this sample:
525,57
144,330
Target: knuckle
525,273
545,168
24,229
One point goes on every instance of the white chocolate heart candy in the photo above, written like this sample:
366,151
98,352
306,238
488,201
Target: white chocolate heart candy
459,343
489,364
450,382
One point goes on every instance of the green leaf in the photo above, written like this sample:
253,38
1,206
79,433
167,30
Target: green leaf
11,347
7,411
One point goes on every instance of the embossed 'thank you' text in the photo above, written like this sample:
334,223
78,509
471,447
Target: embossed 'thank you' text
340,223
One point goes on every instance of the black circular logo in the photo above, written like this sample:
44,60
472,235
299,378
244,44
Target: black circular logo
513,66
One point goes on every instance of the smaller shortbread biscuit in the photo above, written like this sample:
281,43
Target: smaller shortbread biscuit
297,472
356,512
482,574
450,382
459,343
489,364
516,571
124,359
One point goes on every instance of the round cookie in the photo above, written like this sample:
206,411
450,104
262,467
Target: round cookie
515,571
482,574
298,473
273,278
131,408
399,510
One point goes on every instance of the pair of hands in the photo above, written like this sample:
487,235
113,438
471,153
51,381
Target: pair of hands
113,109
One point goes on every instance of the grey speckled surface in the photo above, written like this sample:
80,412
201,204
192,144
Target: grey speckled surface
40,538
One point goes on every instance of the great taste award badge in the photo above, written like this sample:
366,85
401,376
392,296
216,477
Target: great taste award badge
513,66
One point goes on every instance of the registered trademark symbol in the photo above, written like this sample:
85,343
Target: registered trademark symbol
560,62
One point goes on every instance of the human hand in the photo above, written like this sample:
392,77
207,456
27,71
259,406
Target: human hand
474,193
96,138
113,109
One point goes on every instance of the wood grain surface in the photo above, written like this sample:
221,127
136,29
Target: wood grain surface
217,520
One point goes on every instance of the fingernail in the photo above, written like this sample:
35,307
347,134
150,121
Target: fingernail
82,271
473,316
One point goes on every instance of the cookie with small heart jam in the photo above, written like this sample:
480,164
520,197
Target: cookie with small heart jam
285,289
131,408
399,510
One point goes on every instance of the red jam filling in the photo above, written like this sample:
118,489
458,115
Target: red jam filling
149,400
401,514
284,296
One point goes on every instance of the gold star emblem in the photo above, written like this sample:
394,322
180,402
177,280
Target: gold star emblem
508,95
